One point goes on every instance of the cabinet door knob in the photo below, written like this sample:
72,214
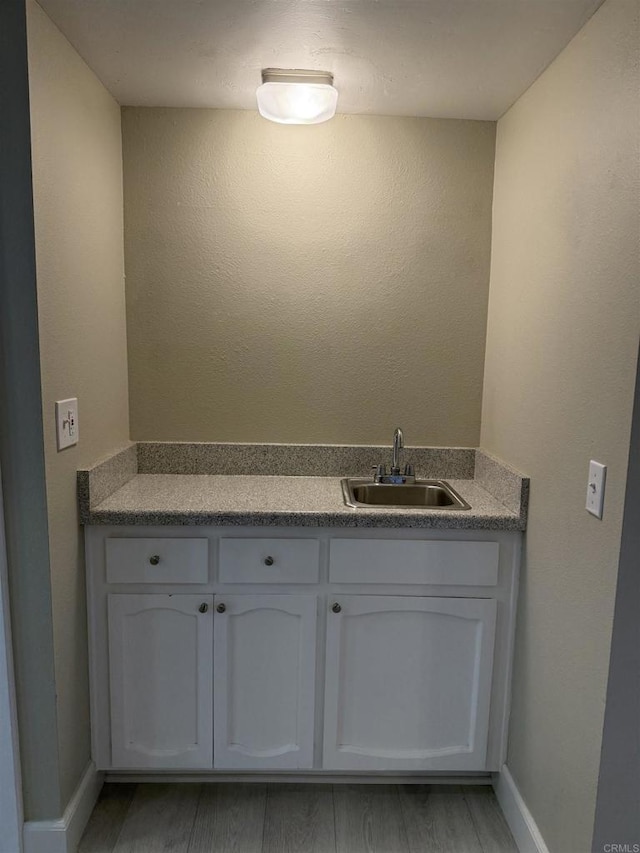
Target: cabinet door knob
269,561
336,608
221,607
154,560
203,607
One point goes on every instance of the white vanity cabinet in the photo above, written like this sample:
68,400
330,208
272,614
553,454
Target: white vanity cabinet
300,650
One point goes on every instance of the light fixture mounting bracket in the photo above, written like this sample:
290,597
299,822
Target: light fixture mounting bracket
296,75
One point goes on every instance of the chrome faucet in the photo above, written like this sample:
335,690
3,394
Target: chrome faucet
394,476
398,444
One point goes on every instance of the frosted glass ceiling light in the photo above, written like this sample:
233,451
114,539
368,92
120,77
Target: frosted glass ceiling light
297,97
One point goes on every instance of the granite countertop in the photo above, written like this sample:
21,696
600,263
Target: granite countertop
264,499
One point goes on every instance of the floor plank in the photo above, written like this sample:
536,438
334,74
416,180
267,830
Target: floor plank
296,818
299,821
438,820
492,829
230,819
107,818
160,819
369,819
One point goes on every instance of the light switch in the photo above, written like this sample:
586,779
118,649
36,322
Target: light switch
595,488
67,422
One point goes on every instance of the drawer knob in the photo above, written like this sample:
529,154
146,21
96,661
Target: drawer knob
154,560
336,608
269,561
221,607
203,607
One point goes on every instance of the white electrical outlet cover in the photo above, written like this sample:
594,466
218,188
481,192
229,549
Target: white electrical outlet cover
67,430
595,488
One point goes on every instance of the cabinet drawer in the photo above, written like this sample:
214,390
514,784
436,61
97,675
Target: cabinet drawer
157,560
394,562
269,560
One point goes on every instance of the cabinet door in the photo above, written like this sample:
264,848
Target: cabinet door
408,683
264,651
160,668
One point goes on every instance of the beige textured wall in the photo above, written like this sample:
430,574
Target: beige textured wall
77,175
306,283
564,318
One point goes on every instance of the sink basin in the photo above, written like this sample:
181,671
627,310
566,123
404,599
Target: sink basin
425,494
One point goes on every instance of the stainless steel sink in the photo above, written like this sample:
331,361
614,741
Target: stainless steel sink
427,494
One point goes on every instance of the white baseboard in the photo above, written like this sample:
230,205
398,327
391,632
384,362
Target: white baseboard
63,835
521,823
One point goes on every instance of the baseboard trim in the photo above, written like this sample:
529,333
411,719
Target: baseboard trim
63,835
521,823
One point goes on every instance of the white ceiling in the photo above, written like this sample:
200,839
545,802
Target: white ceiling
442,58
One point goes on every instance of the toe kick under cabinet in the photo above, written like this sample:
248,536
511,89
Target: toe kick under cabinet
300,649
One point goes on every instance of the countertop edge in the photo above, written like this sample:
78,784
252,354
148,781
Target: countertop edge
306,519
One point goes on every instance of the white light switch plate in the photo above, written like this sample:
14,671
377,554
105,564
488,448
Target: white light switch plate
67,422
595,488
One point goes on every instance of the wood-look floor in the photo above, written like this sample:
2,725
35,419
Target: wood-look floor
294,818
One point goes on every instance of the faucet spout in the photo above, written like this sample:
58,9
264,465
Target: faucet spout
398,444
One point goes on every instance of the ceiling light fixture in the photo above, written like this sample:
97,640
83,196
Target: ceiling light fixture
297,97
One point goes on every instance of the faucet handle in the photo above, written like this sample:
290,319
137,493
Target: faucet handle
380,472
409,470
